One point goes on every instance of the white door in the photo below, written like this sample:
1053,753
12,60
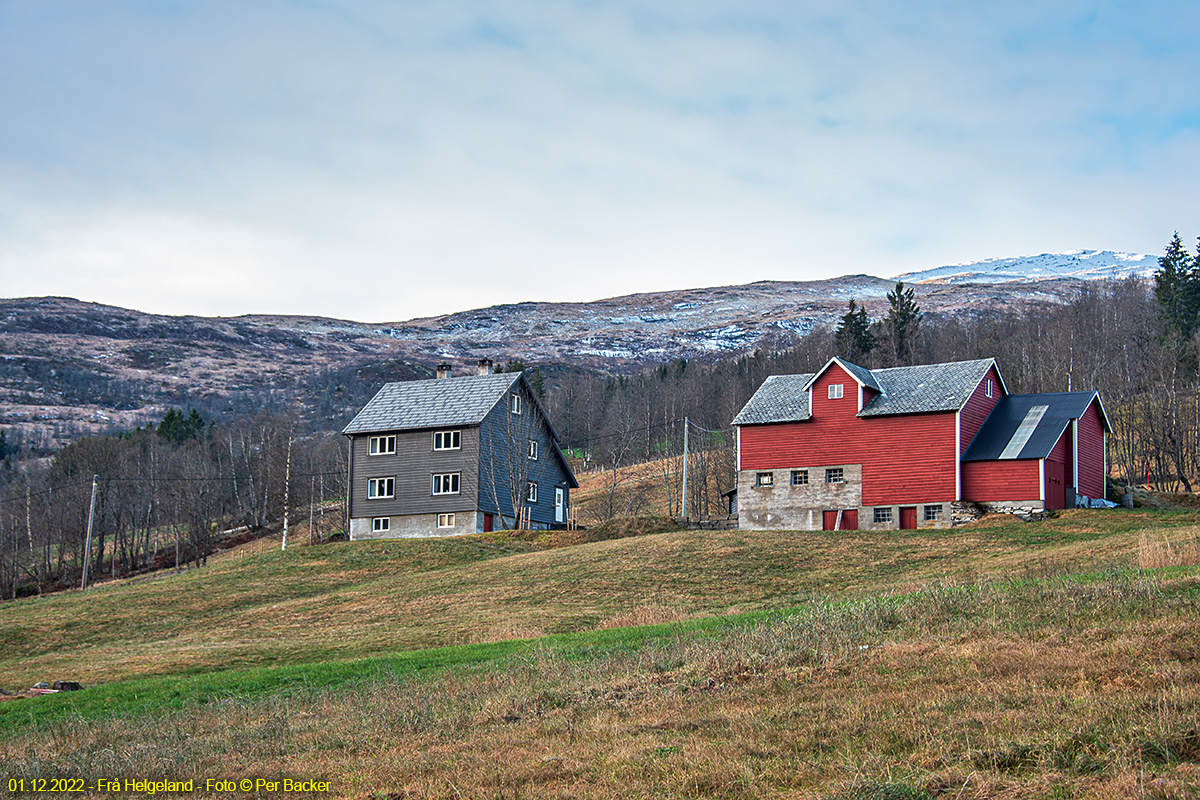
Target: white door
560,498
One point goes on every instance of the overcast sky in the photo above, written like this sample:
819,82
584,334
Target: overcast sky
380,161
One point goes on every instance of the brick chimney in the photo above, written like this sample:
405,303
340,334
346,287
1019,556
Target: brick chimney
443,371
484,367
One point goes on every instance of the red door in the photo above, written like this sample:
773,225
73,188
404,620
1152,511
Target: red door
487,523
1056,496
908,518
848,521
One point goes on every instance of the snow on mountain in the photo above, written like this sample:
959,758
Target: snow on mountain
1077,264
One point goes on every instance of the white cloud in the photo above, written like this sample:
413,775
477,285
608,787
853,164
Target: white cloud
388,160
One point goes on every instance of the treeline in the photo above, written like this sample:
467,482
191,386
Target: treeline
163,496
1136,342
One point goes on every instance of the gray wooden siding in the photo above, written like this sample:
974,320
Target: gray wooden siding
504,457
413,466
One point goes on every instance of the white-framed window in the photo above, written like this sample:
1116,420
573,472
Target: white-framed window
445,520
381,445
835,391
933,513
799,477
883,514
533,450
381,524
447,440
531,493
514,403
764,479
988,388
834,475
446,483
381,488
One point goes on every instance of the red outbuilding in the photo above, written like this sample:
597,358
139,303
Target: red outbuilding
848,447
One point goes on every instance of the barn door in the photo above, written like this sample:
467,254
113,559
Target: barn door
908,518
1056,496
850,519
829,520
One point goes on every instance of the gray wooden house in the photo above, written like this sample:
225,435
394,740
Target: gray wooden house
455,455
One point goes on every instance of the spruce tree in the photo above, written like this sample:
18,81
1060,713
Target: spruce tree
1177,290
853,339
903,320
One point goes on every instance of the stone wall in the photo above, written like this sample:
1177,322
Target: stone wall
787,506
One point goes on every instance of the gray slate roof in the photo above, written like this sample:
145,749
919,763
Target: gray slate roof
903,390
781,398
1006,417
411,405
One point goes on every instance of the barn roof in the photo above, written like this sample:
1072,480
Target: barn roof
1028,425
901,390
411,405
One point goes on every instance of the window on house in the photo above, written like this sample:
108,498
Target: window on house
447,440
531,494
834,475
381,524
533,449
514,401
883,514
445,520
835,391
764,479
989,387
799,477
381,488
381,445
933,513
446,483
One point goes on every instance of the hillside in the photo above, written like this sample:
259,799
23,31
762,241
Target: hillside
70,368
997,661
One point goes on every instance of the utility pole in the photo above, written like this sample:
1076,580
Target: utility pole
287,479
87,549
683,506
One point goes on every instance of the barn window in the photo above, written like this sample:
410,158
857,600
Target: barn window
834,475
989,387
381,488
933,513
381,445
447,440
445,520
446,483
764,479
799,477
835,391
531,495
515,403
381,524
883,514
533,449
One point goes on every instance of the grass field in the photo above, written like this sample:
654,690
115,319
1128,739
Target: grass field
1003,659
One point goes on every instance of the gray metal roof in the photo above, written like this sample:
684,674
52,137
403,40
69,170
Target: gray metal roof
926,387
902,390
1002,434
781,398
410,405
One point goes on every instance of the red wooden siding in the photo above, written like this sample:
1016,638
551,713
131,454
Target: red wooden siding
908,458
1064,450
1091,452
977,408
1001,481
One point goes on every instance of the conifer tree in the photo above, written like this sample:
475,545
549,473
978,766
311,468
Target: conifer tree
903,320
853,339
1177,290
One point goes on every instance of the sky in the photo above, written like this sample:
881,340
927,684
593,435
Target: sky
382,161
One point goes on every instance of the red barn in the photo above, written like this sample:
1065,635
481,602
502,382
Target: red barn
848,447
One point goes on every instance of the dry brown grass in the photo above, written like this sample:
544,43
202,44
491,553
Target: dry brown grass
647,614
1157,549
975,691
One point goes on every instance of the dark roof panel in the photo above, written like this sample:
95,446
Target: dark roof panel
1001,435
781,398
